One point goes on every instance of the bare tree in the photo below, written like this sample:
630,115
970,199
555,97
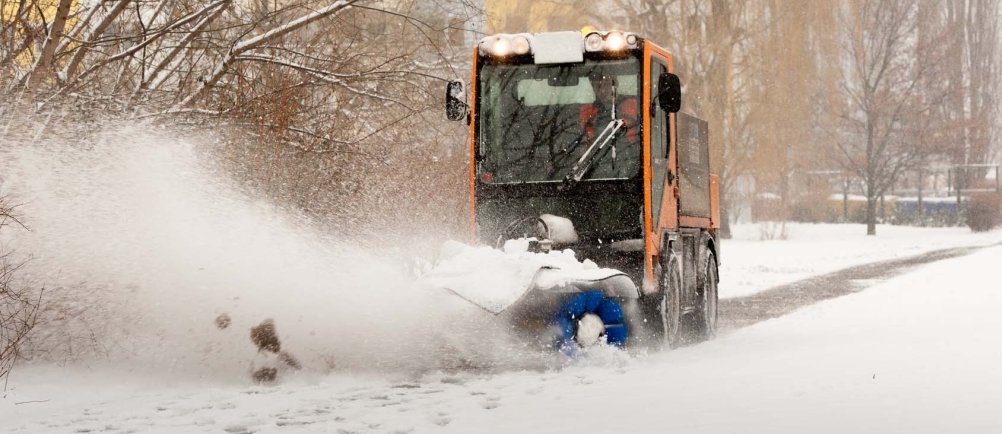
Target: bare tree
787,101
306,94
881,80
19,304
972,31
329,107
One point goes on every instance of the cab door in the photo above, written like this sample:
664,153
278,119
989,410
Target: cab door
664,204
661,199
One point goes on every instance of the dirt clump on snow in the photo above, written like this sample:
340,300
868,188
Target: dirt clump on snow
265,337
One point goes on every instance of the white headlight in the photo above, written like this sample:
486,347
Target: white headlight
501,47
593,42
520,45
615,41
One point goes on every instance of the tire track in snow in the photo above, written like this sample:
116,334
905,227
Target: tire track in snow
739,312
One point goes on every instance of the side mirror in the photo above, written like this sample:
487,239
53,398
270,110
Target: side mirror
455,101
669,92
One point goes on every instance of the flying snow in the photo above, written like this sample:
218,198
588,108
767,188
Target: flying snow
143,249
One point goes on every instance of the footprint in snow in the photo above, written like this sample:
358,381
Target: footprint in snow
441,419
453,380
294,422
203,421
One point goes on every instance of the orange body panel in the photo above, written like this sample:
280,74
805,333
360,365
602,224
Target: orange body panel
649,248
715,201
668,218
473,157
694,222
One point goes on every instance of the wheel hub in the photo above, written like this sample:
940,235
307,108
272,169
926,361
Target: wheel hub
590,330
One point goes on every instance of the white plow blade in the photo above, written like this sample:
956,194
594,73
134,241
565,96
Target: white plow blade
610,281
498,287
496,279
492,286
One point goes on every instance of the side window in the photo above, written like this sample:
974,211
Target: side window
693,166
659,142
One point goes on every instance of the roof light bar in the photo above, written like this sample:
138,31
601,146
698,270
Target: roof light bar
615,41
593,42
520,45
611,41
503,45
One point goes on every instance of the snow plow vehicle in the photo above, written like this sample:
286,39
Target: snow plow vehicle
577,144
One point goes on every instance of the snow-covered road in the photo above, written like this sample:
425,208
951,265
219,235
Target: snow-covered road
917,353
750,264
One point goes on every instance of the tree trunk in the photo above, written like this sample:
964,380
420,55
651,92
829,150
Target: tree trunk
921,211
725,221
44,66
845,201
871,210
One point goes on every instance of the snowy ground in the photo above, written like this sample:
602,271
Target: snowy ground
750,264
916,353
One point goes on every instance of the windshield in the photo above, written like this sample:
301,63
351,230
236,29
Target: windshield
537,121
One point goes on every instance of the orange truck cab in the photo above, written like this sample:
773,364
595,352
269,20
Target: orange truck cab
588,127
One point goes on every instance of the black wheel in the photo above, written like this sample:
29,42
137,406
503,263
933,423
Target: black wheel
705,324
669,302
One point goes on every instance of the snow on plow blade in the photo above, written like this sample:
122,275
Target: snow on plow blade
496,280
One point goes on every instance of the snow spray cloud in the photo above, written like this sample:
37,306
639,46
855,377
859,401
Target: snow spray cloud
144,245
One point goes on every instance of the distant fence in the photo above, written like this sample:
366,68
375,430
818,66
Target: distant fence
934,211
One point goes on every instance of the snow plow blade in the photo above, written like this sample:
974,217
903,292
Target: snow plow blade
501,286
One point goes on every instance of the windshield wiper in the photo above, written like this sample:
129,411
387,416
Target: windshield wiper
581,167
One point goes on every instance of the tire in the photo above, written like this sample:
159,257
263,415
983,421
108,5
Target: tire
707,296
665,310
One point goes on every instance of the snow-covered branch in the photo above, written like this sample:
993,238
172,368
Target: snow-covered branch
147,40
244,45
325,76
157,76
